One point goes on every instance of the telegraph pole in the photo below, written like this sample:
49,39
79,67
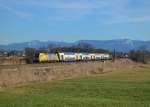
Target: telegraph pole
114,55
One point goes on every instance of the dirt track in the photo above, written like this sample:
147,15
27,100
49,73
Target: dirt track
22,74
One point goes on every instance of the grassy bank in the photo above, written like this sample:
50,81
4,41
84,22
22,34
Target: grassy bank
126,88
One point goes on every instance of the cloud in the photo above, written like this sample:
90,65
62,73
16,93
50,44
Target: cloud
125,19
61,4
115,11
124,12
16,12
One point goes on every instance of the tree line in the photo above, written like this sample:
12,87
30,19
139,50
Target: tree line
140,56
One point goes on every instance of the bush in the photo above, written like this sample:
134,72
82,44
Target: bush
30,52
139,56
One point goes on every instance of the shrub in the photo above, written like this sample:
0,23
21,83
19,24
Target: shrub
139,56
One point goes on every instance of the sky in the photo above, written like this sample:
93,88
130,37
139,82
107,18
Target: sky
72,20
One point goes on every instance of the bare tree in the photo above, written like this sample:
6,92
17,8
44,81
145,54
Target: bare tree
29,53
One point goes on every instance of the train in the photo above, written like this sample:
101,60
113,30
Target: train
70,57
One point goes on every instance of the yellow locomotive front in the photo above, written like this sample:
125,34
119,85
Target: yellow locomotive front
48,57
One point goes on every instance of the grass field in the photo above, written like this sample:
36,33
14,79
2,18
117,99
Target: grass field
126,88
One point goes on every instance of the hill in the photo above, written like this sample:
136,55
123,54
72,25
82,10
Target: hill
123,45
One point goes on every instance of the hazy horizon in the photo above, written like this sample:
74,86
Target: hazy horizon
73,20
71,41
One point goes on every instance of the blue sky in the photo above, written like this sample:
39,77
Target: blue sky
71,20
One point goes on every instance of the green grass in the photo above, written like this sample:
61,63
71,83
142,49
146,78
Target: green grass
127,88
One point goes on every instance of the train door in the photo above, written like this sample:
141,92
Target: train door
80,57
77,57
94,57
91,57
62,57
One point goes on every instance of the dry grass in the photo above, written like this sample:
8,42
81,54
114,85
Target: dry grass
22,74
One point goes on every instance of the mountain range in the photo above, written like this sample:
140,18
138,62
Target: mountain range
122,45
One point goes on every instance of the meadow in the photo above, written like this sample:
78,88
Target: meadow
120,88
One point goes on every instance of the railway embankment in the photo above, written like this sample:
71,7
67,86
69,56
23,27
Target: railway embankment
13,75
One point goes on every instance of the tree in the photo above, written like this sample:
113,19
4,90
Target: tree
29,53
139,56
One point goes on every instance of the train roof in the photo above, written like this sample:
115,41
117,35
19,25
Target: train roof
71,53
68,53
